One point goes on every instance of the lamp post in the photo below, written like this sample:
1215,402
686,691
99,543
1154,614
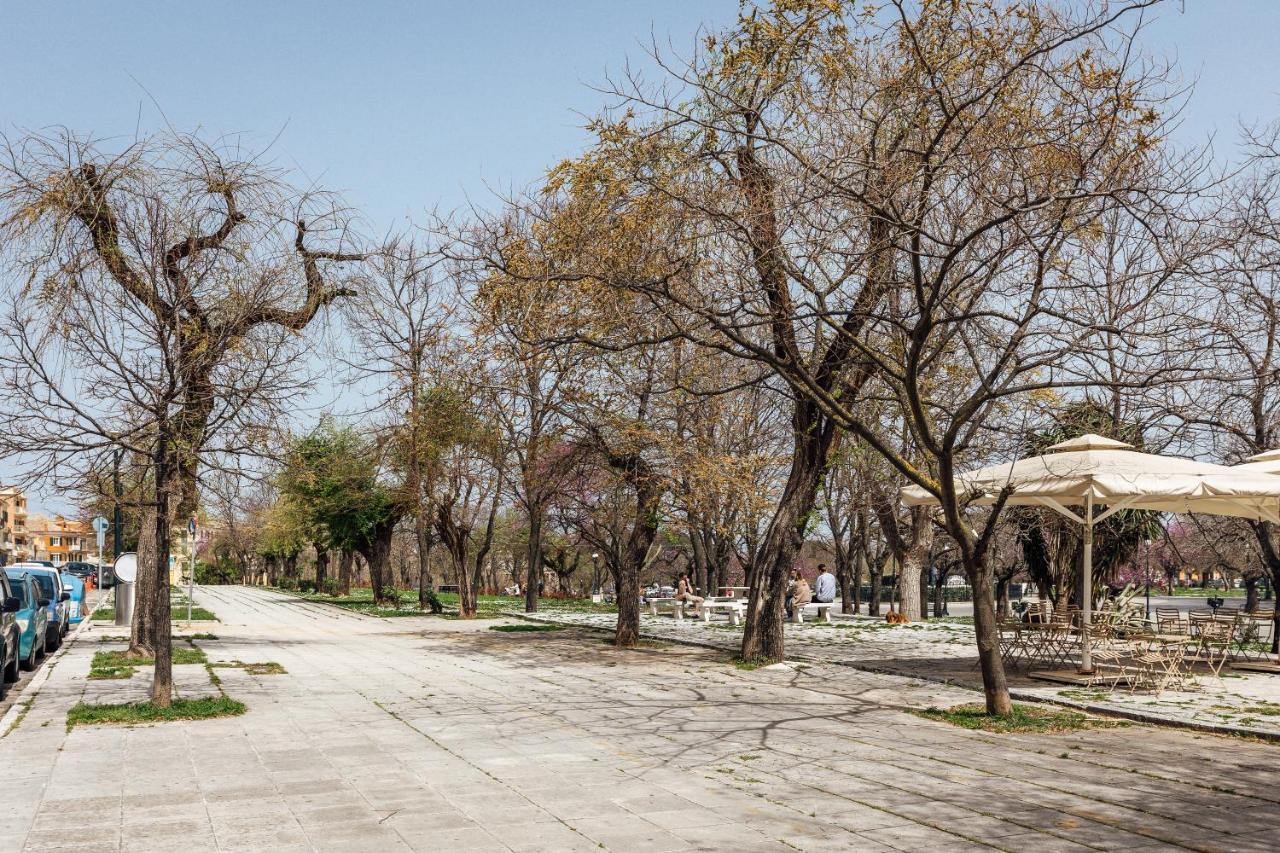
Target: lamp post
595,573
1146,575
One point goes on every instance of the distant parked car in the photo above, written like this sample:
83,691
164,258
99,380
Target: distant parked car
80,569
9,637
59,610
33,617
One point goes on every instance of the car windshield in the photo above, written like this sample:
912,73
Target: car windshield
19,591
46,585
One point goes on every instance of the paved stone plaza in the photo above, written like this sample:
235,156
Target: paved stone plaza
1238,701
438,735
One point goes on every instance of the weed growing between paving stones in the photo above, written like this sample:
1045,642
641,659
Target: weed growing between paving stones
24,708
523,629
117,665
749,664
1024,719
133,713
269,667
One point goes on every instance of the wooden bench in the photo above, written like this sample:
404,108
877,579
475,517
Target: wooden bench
821,608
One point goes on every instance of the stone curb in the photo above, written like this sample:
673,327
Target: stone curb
1014,692
32,690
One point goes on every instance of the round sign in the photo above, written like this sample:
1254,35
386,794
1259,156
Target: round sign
126,567
101,525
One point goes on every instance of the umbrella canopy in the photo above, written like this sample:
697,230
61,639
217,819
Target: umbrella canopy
1113,473
1093,470
1267,462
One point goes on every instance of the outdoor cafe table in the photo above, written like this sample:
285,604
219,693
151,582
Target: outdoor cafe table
735,591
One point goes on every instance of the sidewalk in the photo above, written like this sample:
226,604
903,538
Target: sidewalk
440,735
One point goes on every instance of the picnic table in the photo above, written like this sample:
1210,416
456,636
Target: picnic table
735,591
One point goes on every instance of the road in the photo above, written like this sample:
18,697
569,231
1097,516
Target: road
440,735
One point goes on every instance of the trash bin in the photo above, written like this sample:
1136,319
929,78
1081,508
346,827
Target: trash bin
124,602
125,571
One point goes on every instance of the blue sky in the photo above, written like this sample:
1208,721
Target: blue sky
405,106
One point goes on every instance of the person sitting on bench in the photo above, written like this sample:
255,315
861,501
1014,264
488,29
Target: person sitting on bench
824,588
684,591
800,595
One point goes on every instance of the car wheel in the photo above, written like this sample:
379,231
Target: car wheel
11,673
30,663
52,640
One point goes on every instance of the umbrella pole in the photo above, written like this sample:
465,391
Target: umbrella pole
1086,606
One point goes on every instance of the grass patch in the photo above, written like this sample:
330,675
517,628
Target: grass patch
748,664
117,665
525,628
269,667
134,713
1025,719
360,600
202,636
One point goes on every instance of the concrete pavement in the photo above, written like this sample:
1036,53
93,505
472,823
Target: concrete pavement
439,735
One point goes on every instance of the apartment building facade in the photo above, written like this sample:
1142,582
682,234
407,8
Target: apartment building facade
15,540
58,539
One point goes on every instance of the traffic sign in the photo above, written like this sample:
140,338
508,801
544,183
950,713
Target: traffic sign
100,527
191,527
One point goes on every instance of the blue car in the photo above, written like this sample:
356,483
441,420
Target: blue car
9,637
58,609
33,617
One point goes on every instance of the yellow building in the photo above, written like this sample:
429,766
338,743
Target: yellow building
15,542
59,540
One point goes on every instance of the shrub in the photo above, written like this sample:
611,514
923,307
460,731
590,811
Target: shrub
287,584
330,586
306,585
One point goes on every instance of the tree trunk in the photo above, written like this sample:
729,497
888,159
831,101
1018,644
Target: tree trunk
814,436
1002,598
876,570
376,550
994,686
1250,594
534,557
426,596
322,567
345,559
147,585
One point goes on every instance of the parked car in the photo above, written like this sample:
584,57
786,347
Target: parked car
59,610
80,569
33,617
9,638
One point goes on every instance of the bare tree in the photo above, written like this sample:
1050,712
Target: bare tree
158,293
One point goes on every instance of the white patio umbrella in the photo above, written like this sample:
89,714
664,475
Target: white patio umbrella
1093,470
1267,462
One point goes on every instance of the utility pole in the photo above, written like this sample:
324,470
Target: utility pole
118,529
191,581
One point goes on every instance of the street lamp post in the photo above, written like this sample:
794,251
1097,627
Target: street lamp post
1146,575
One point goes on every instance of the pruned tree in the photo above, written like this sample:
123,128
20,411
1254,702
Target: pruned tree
158,293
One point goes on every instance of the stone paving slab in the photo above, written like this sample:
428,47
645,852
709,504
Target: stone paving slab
432,734
1239,702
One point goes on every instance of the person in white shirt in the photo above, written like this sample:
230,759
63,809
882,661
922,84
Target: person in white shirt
824,588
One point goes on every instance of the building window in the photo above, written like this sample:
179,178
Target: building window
55,541
55,558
